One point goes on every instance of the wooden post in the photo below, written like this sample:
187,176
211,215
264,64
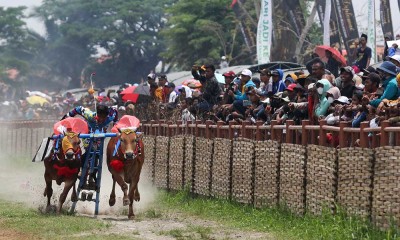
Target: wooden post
219,130
152,123
231,133
322,133
364,143
304,132
244,129
258,131
289,133
196,130
178,127
343,136
384,134
273,131
208,130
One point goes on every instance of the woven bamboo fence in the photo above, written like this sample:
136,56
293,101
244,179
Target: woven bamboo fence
202,166
321,185
292,177
386,193
266,169
161,162
355,180
149,143
189,162
176,162
243,170
221,169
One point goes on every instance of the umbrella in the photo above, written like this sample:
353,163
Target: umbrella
136,94
192,83
76,125
320,50
33,100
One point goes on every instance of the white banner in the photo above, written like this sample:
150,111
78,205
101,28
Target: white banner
327,18
264,32
371,30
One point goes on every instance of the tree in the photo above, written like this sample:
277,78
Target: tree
127,29
200,32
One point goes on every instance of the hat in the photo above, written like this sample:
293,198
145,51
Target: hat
152,76
291,87
264,71
170,85
293,76
302,76
229,74
299,87
246,72
347,69
162,76
283,96
274,73
369,70
343,99
395,57
388,67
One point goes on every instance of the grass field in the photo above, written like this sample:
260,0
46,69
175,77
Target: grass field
278,222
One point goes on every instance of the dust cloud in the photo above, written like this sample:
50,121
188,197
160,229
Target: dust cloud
22,181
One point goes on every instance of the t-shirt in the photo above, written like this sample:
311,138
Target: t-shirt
348,91
362,57
172,97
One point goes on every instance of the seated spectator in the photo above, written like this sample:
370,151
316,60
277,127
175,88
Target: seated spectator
290,79
387,72
241,98
277,83
322,106
338,106
347,87
358,112
172,96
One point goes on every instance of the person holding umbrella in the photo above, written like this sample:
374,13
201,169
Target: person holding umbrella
332,65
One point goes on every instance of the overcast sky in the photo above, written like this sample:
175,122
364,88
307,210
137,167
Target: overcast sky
359,5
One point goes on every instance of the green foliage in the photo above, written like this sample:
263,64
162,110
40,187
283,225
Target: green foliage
200,32
279,221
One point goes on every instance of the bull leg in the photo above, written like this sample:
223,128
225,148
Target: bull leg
74,196
124,188
67,186
132,188
111,201
48,191
136,195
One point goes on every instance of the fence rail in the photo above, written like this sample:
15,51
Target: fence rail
342,135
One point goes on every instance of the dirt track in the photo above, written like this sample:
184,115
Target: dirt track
26,184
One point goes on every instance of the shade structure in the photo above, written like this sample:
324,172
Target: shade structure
76,125
321,51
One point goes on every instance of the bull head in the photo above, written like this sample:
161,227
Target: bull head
129,142
71,145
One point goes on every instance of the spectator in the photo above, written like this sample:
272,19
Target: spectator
151,79
332,65
229,86
395,59
265,76
241,98
322,106
363,53
387,72
210,88
277,83
394,50
290,79
318,70
347,86
162,91
224,62
172,96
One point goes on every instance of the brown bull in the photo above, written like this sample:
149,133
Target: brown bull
63,167
125,166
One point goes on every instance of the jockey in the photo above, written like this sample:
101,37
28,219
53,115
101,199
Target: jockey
98,120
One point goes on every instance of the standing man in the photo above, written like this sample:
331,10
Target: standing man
363,53
210,88
332,65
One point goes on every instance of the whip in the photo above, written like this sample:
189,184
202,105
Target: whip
91,84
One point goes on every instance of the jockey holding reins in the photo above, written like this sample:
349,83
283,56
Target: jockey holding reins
98,120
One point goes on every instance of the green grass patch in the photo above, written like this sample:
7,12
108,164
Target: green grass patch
278,221
48,226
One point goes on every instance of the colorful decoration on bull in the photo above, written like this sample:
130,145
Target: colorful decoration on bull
65,171
117,165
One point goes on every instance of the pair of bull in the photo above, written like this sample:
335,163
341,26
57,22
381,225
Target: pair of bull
124,161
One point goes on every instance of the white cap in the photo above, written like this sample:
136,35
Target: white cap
247,72
343,99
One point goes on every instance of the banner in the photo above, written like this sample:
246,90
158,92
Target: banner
264,32
333,23
327,18
371,30
386,18
347,27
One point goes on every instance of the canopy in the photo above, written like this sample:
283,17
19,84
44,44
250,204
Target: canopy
76,125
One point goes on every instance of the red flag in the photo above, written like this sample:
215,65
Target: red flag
233,3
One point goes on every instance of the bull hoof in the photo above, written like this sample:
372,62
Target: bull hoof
74,198
136,197
126,201
111,201
131,217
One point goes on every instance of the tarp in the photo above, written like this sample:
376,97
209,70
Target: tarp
127,121
76,125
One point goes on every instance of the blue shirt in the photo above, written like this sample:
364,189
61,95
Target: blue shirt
390,93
